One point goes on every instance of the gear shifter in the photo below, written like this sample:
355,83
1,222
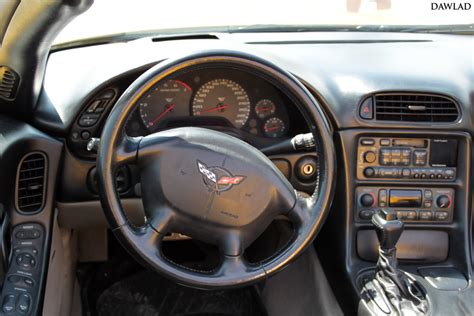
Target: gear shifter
396,285
388,227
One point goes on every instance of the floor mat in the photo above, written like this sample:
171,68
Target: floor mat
147,293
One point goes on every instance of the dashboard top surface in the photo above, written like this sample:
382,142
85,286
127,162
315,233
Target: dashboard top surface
339,68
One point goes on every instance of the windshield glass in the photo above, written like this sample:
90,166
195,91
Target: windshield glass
118,16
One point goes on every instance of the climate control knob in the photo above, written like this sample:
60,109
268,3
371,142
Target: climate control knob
367,200
443,201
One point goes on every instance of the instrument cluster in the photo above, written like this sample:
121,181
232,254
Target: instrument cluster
218,98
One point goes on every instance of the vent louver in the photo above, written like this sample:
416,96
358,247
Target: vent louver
8,83
31,182
412,107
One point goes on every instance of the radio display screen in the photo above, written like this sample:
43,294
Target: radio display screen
405,198
443,152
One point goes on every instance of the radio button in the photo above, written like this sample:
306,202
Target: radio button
416,175
428,194
449,174
396,153
385,142
389,172
369,156
367,142
420,157
369,172
406,172
441,216
426,215
423,175
428,203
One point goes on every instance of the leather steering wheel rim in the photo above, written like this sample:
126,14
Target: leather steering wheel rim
116,149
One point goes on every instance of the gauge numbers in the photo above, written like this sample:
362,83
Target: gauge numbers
169,99
274,127
265,108
222,98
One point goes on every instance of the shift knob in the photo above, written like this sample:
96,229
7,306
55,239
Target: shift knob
388,228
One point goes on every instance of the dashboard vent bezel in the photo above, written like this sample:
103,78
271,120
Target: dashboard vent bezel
431,107
41,180
9,83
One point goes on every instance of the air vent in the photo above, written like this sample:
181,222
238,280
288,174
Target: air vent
31,182
9,81
414,108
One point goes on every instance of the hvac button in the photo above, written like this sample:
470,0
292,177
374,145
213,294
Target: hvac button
441,216
426,215
366,214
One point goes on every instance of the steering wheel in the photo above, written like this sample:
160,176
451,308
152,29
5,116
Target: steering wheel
211,186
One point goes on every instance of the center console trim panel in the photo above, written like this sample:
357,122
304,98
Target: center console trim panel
458,229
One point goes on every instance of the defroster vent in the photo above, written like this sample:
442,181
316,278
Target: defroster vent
31,183
413,107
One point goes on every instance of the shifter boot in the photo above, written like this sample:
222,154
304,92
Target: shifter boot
404,295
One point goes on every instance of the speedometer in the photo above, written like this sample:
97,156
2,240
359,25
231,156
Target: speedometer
223,98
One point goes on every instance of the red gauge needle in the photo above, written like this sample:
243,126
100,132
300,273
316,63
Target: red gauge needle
274,128
218,108
168,108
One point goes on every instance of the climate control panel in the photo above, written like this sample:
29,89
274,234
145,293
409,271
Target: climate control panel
411,204
422,159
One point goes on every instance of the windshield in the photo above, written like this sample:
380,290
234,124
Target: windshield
107,17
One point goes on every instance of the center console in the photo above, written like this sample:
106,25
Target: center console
423,179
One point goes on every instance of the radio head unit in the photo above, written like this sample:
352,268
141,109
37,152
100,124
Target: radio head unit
426,159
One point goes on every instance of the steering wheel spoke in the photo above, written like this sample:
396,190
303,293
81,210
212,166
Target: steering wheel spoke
161,219
233,266
301,213
144,238
126,150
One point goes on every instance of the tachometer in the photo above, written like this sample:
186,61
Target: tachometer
223,98
168,99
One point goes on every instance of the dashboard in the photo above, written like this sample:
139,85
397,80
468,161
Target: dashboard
420,168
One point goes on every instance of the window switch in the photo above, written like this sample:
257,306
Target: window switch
9,303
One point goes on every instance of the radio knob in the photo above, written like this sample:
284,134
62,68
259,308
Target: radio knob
369,172
369,156
443,201
367,200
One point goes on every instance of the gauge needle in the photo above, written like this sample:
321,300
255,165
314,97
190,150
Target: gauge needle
273,128
168,108
218,108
